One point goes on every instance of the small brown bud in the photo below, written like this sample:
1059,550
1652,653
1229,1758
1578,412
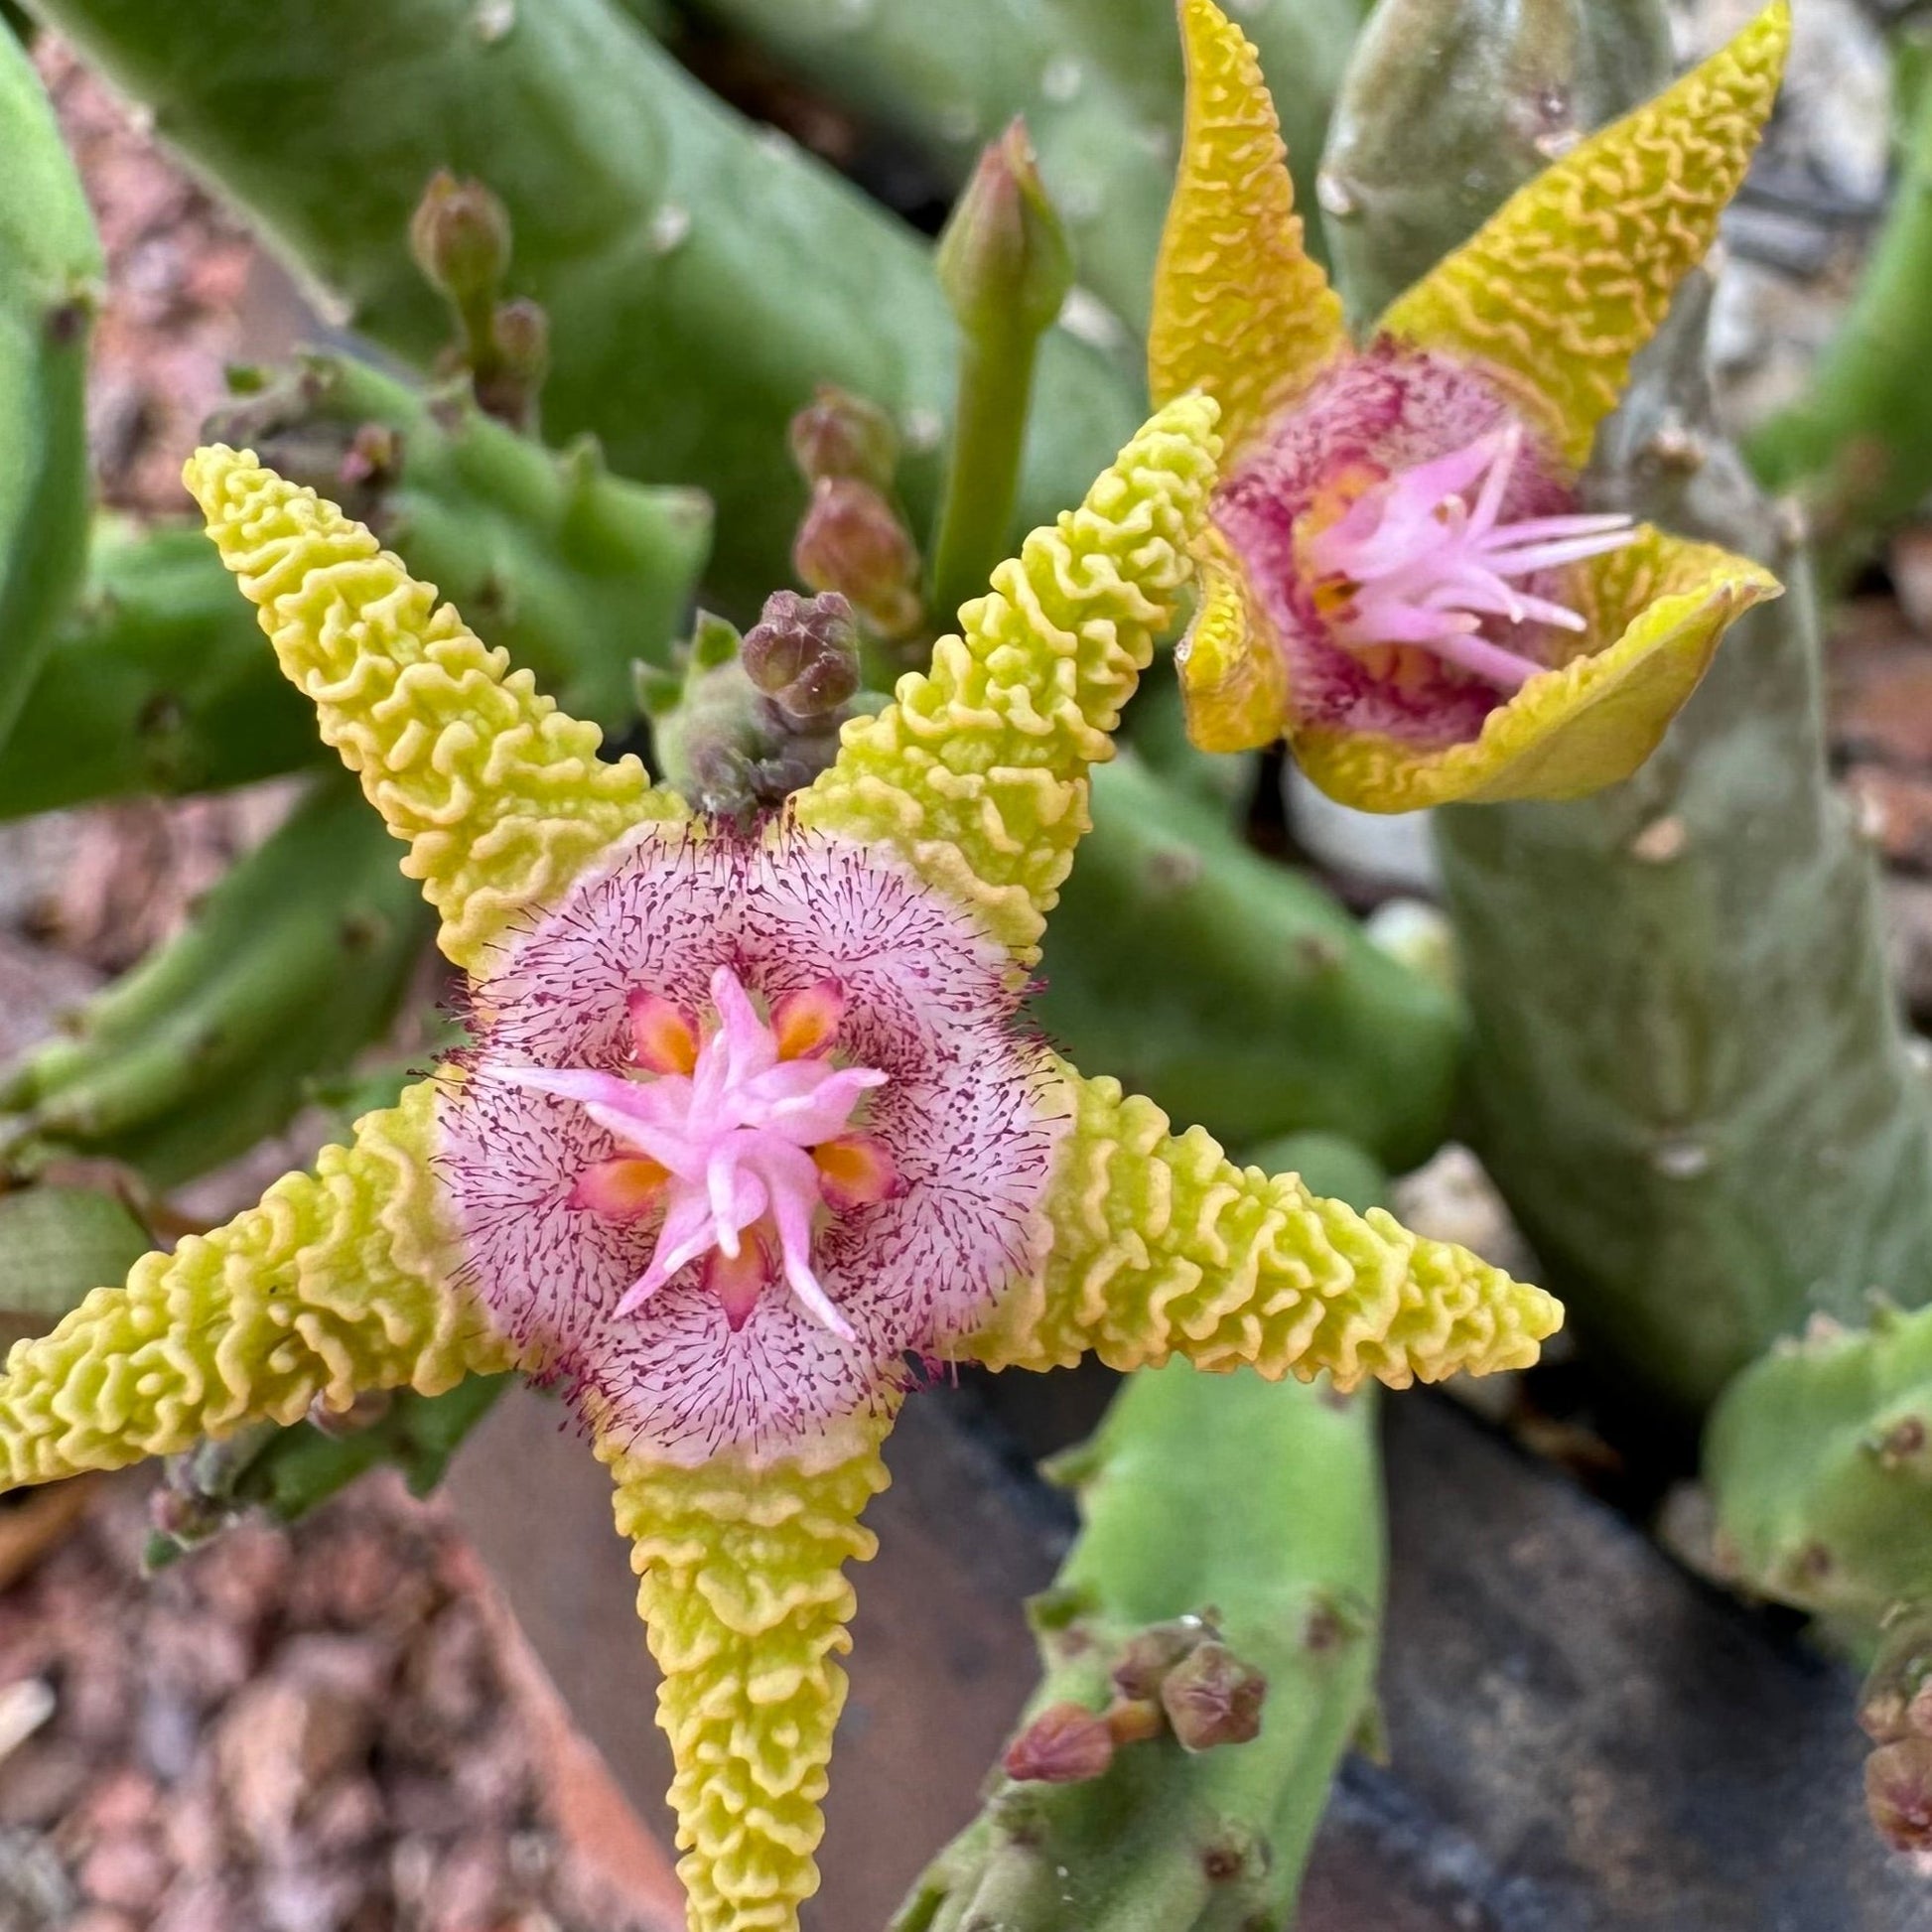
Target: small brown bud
853,542
1151,1654
1899,1793
1066,1744
1896,1700
1212,1697
803,653
838,434
459,235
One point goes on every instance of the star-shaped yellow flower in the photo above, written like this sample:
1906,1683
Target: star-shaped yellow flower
1396,574
746,1121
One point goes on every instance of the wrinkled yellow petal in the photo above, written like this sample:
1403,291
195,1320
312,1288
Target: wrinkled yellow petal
977,772
334,1283
1241,311
1161,1246
745,1602
1587,724
500,797
1572,276
1233,683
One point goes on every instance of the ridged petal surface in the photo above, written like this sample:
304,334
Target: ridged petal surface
745,1602
1241,310
500,797
334,1283
1573,274
1233,677
976,774
1161,1246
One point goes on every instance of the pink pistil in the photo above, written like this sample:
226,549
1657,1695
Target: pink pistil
733,1138
1412,562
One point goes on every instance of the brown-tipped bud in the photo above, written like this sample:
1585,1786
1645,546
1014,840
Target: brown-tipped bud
1003,259
1899,1793
522,336
853,542
1066,1744
803,653
838,434
459,235
1151,1654
1897,1701
1212,1697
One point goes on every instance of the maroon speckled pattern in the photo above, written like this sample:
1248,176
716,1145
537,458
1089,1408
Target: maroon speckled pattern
931,1002
1390,407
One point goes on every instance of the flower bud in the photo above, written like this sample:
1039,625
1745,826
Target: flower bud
522,336
1897,1701
1003,259
838,434
1151,1654
853,542
1899,1793
803,653
1066,1744
459,235
1212,1697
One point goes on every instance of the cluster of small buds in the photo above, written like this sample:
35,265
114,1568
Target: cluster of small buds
852,543
1177,1677
459,236
755,718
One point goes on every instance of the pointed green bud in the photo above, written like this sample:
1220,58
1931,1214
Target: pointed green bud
1003,258
838,434
459,235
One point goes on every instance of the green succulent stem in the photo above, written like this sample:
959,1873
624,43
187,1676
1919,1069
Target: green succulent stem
1689,1076
1261,1502
50,271
292,965
1856,448
700,278
1234,991
160,680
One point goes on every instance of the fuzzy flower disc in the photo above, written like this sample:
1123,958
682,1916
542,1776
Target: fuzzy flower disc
930,1004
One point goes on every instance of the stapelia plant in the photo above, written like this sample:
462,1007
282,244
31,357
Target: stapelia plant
747,1120
1396,573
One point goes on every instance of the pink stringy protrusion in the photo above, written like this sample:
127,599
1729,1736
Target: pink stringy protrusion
733,1139
1413,561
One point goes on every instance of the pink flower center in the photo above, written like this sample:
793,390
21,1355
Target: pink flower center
740,1135
1412,560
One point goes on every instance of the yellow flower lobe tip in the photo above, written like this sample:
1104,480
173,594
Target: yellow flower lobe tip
1161,1246
1590,722
1573,275
745,1604
334,1283
1241,310
500,797
976,773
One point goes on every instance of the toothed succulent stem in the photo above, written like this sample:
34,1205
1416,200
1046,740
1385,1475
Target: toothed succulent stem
699,277
1259,1502
1726,1132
